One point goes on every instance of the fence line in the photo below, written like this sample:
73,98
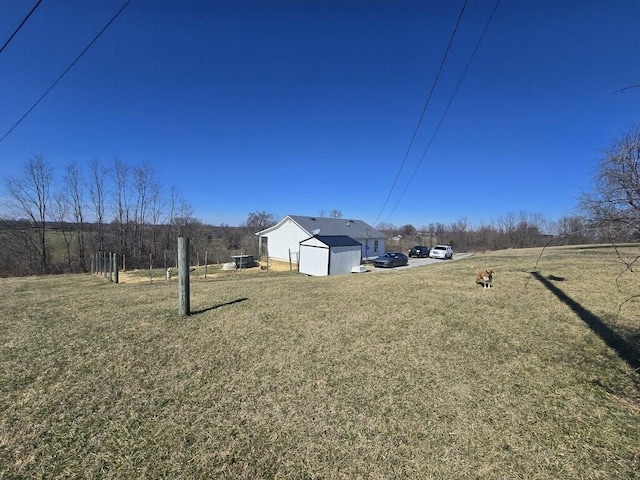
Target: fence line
105,264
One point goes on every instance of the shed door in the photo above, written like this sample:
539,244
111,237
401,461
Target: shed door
314,260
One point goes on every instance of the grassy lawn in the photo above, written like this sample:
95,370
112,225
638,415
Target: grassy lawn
410,373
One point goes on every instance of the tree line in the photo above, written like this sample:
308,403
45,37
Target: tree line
512,230
54,225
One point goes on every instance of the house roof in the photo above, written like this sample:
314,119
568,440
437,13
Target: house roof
336,240
330,226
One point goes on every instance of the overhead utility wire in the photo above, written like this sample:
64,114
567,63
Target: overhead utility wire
67,70
20,26
473,54
621,90
426,105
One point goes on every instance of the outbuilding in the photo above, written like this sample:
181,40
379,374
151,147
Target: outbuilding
329,255
282,241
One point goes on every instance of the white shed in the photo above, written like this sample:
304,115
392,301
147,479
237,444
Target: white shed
282,241
329,255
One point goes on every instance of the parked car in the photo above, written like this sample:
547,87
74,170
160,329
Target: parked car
441,251
391,259
419,251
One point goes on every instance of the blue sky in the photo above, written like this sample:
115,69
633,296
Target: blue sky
301,106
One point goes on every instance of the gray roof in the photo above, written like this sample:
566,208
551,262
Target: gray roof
336,226
337,240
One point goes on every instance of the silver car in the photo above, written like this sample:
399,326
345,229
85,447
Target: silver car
443,252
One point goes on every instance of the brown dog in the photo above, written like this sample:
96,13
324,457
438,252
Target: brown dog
484,277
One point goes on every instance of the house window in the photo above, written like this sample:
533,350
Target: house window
375,246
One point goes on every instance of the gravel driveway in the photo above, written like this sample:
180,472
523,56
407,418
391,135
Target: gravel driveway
419,262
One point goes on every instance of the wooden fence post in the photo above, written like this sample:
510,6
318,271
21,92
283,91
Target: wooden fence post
183,277
206,261
115,268
109,265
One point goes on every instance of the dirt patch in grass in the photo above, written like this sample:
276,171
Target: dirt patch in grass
214,271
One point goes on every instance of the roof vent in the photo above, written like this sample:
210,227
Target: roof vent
313,219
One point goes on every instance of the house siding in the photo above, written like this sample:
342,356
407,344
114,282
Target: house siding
280,240
370,242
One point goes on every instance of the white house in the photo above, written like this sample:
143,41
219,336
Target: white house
282,241
329,255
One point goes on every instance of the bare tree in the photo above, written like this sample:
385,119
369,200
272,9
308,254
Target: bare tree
179,217
614,203
573,230
172,213
97,193
119,174
335,213
75,193
17,250
157,206
260,220
408,230
143,180
30,196
387,228
458,235
613,208
60,214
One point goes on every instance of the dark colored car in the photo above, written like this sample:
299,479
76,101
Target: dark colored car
391,259
419,251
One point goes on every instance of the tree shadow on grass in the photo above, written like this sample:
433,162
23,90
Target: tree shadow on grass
219,305
626,350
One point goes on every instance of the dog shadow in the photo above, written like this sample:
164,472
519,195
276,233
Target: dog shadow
219,305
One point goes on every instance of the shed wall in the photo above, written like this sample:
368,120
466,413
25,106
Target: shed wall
343,259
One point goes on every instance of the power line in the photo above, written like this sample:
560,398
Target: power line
473,54
20,26
433,86
621,90
67,70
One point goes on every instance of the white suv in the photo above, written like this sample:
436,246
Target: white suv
441,251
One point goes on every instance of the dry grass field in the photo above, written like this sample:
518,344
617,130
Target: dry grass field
411,373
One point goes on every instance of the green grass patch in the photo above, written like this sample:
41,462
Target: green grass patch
409,373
